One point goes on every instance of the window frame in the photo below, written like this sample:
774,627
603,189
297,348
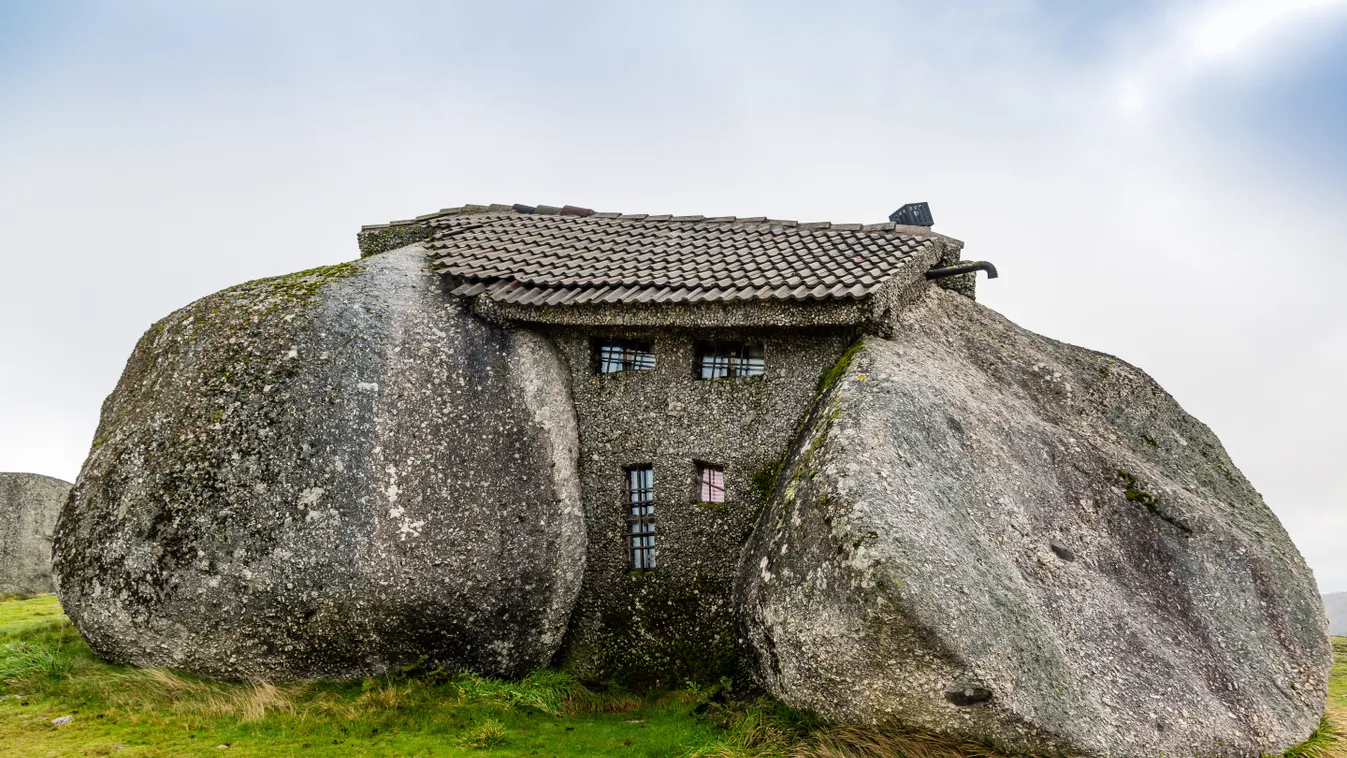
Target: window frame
740,359
639,504
633,356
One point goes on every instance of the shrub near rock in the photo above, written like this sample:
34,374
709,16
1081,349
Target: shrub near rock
1000,537
330,474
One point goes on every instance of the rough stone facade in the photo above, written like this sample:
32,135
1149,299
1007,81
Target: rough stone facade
29,505
384,238
677,621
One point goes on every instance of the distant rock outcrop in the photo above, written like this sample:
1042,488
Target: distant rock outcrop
996,536
1335,607
329,474
29,505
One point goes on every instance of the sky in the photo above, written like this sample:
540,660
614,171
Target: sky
1163,181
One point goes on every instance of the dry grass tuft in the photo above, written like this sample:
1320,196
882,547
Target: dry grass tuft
484,736
755,731
580,700
375,698
1327,741
144,690
860,742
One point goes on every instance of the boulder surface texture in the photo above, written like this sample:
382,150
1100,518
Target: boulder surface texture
29,505
330,474
996,536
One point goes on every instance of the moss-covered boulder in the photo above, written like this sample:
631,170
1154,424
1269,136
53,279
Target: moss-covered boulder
29,505
999,537
329,474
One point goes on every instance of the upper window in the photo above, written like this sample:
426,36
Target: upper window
712,480
641,517
625,355
726,360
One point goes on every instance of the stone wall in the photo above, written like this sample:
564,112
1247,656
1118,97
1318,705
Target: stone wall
380,239
677,621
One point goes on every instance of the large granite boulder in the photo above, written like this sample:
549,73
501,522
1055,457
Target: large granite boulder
995,536
29,504
330,474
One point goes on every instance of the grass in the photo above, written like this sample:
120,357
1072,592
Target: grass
47,672
1329,741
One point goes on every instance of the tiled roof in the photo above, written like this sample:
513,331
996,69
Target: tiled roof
574,256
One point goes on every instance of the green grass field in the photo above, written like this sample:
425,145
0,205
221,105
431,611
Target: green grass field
47,672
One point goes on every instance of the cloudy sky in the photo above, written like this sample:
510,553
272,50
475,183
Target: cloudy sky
1165,181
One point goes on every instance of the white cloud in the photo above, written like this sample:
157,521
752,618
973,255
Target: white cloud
1228,30
1206,39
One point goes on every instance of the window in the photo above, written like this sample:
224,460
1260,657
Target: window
728,360
712,480
641,517
625,355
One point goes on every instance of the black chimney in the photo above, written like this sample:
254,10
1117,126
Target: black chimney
913,214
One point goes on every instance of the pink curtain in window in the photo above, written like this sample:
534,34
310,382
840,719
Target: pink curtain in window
713,485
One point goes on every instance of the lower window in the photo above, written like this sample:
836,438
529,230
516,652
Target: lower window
641,518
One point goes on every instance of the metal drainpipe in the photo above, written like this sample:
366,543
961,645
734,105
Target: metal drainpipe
966,268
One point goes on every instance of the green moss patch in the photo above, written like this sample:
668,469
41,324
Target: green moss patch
1134,493
839,369
300,287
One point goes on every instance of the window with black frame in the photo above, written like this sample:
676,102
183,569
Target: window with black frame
730,360
641,517
616,356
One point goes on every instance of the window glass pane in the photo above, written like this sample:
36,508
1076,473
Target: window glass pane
610,358
715,365
641,519
721,360
755,361
625,355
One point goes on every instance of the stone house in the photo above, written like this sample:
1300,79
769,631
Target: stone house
648,450
695,348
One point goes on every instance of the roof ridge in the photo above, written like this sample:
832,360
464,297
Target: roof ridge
577,213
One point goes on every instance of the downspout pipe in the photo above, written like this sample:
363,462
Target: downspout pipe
966,268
